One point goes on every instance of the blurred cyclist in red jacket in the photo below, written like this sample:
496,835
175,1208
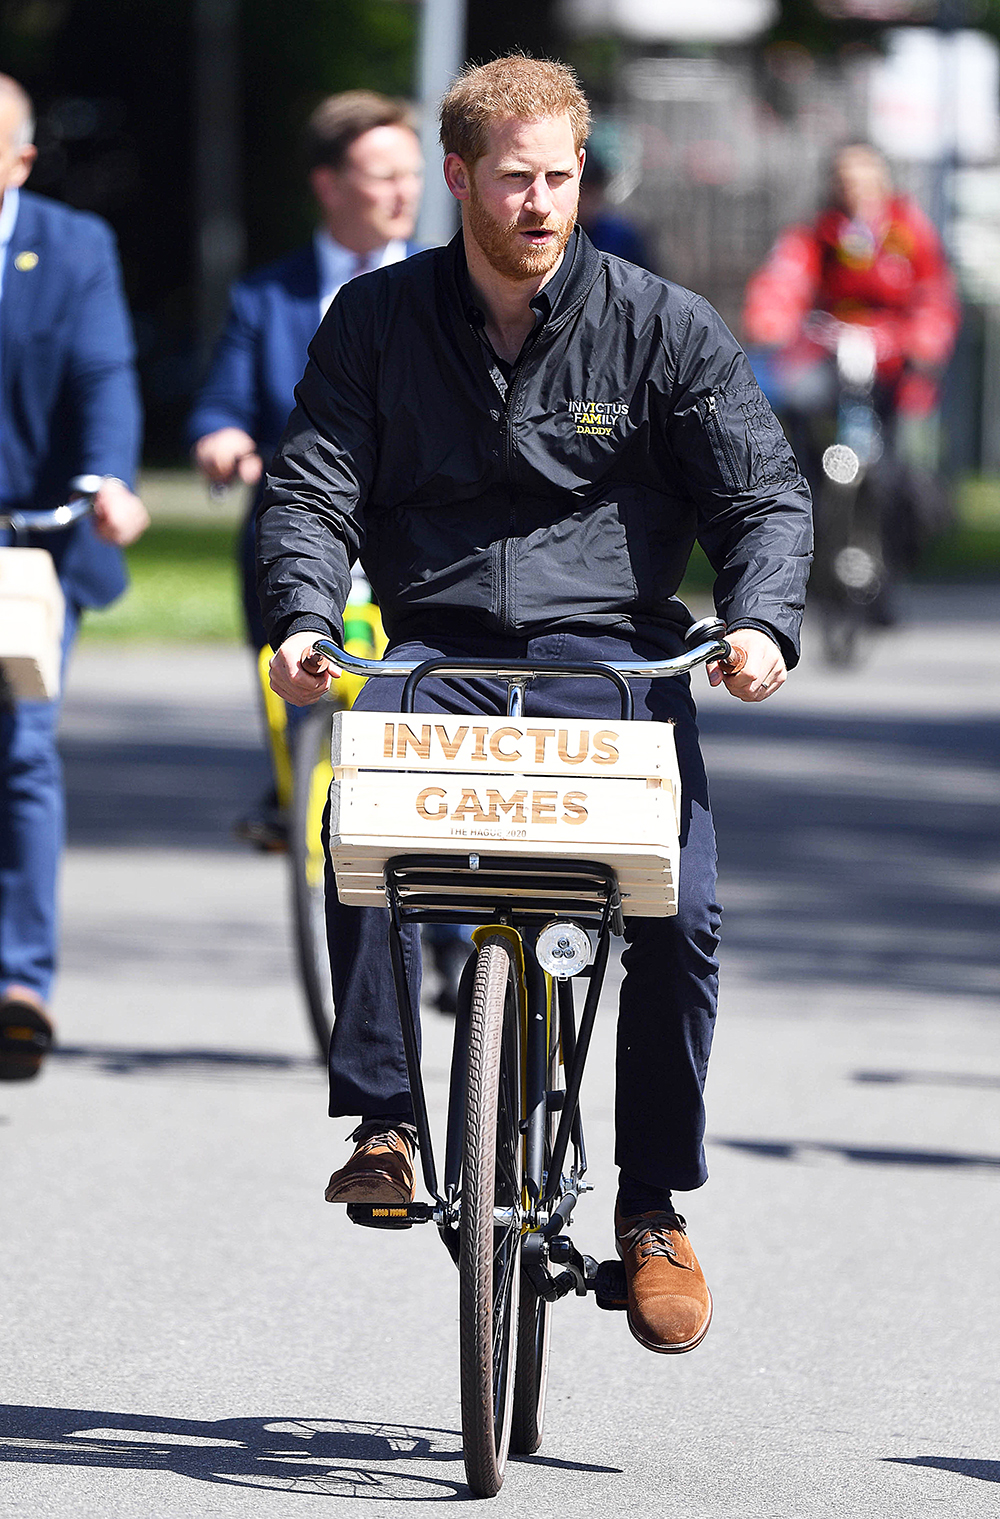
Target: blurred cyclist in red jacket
871,259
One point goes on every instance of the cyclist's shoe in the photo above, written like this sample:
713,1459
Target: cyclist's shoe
379,1171
25,1039
669,1304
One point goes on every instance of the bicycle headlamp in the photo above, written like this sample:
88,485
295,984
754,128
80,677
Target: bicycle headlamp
841,464
563,949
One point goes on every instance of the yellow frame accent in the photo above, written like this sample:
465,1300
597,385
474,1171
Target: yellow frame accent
513,937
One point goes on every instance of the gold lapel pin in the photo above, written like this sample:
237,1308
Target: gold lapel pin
25,261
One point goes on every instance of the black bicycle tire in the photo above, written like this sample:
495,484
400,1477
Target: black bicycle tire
534,1325
842,520
311,743
492,1179
842,626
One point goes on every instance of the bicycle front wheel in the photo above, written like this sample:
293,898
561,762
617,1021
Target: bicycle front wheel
490,1233
310,788
534,1319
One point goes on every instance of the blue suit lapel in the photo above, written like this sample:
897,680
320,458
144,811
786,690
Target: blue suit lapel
23,277
25,272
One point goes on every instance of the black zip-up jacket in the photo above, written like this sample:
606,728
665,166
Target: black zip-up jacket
631,425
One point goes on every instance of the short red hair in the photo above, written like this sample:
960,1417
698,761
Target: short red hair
529,89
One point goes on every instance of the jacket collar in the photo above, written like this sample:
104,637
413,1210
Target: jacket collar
557,300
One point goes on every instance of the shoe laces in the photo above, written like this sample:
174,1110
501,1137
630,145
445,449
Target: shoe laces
650,1236
373,1136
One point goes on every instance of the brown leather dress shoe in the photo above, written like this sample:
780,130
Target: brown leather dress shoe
379,1171
669,1304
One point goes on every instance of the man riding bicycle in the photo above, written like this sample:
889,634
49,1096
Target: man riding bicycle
520,438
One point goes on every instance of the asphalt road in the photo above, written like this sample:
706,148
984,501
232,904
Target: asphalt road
190,1331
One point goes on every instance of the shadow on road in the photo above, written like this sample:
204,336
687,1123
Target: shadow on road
971,1079
158,792
123,1060
987,1471
874,1155
338,1457
872,862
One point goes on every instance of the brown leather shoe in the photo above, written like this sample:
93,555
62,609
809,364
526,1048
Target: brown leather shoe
669,1304
379,1171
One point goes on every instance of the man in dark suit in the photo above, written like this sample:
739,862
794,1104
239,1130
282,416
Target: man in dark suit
69,405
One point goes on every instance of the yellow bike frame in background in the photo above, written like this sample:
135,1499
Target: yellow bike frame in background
364,636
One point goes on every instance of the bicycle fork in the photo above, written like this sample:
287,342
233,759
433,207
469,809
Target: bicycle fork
548,1012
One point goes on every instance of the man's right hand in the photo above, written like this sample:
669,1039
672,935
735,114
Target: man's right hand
294,683
228,456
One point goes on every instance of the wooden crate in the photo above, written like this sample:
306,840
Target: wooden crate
31,623
590,790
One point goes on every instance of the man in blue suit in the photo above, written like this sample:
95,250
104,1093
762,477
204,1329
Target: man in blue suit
365,171
69,405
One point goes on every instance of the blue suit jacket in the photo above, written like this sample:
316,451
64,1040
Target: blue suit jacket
261,354
69,401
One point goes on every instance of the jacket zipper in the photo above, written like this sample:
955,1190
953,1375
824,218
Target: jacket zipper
723,438
505,556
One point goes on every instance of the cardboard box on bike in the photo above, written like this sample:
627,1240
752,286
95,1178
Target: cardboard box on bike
31,623
542,787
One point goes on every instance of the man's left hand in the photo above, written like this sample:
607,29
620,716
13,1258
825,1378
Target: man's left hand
762,673
119,515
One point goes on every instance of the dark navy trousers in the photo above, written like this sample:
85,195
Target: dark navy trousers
31,836
667,1004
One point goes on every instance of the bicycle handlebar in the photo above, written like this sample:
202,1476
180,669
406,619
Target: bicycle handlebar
713,647
84,490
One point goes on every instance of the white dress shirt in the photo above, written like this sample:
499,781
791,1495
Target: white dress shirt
337,264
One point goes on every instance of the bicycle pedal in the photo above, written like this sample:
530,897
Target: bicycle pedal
389,1216
611,1286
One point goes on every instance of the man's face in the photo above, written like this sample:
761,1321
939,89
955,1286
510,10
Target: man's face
520,198
861,180
15,162
373,197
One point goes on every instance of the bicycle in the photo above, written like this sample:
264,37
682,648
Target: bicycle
31,601
504,1203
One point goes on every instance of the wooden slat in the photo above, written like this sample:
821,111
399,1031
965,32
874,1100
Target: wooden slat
502,745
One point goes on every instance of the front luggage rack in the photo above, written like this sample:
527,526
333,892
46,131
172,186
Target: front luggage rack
482,888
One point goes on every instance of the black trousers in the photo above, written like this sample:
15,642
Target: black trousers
667,1005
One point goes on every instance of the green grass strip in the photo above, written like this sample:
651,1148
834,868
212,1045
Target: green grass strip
184,589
